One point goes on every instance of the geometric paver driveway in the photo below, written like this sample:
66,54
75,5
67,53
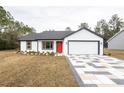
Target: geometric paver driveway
97,71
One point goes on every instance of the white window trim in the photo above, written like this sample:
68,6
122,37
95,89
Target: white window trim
45,45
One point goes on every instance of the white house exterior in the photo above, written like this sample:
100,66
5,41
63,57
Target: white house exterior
117,41
83,41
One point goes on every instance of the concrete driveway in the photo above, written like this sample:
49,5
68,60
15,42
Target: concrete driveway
97,71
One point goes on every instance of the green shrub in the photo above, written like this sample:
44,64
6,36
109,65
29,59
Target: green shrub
109,54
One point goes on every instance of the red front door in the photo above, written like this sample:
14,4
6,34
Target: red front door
59,47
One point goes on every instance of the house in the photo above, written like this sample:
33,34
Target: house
117,41
82,41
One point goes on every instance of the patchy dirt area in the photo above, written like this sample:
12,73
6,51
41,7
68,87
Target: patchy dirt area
115,53
34,71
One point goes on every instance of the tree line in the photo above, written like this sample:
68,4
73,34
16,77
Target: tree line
11,30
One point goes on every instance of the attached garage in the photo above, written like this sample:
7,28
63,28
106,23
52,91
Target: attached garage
83,47
83,41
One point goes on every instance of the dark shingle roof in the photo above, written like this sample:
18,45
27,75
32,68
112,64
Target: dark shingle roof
47,35
52,35
31,36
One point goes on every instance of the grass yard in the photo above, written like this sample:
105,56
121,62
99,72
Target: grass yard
115,53
34,71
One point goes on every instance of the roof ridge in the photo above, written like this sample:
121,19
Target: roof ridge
58,31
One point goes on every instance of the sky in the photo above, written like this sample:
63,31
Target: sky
59,17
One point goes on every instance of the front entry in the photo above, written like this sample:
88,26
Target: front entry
59,46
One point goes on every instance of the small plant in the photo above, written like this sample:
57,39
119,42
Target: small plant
104,54
109,54
41,53
37,53
52,54
24,52
32,53
18,51
47,53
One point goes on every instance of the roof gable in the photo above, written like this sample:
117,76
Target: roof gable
87,30
115,35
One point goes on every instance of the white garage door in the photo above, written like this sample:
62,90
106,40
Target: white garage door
81,47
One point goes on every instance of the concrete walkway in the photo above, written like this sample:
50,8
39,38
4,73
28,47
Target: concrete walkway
97,71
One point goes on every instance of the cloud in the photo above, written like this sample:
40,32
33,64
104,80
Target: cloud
59,17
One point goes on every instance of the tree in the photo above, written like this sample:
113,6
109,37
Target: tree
68,29
10,30
5,18
110,28
102,28
33,30
116,24
84,25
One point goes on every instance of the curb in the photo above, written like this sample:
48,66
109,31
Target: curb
76,76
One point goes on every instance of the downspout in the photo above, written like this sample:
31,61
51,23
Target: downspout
19,45
37,45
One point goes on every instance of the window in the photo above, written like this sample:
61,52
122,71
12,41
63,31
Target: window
47,45
28,44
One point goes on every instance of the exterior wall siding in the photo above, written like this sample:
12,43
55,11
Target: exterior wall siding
117,42
23,46
40,46
54,46
82,35
34,46
37,46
